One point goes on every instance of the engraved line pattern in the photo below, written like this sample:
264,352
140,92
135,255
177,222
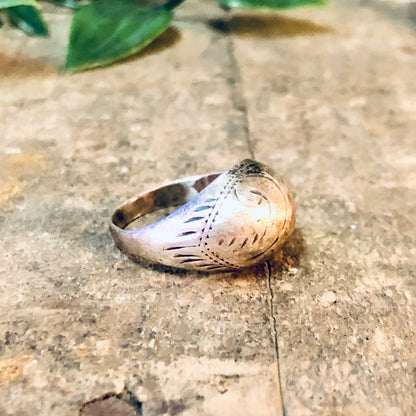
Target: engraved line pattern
190,260
186,233
259,194
225,192
216,262
192,219
179,247
203,208
214,267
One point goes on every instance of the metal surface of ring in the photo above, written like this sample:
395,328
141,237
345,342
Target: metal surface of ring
228,221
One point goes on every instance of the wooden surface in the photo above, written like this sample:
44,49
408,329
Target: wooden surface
327,98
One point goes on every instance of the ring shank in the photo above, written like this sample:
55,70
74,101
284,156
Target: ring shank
173,194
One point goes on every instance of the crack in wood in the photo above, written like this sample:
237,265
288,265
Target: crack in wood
237,94
274,328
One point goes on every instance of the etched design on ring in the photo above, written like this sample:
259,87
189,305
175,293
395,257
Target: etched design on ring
228,221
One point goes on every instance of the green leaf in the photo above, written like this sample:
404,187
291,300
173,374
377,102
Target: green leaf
71,4
29,19
105,31
269,4
11,3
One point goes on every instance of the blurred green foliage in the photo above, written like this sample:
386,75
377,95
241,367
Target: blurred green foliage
26,15
107,30
104,31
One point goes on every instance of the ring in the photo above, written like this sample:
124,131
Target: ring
226,221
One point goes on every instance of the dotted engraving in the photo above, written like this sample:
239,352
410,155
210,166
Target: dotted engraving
207,212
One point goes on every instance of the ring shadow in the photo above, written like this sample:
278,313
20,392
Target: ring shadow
290,254
267,26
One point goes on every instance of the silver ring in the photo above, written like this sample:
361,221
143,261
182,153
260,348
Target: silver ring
227,220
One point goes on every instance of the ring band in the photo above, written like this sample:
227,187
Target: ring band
227,221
